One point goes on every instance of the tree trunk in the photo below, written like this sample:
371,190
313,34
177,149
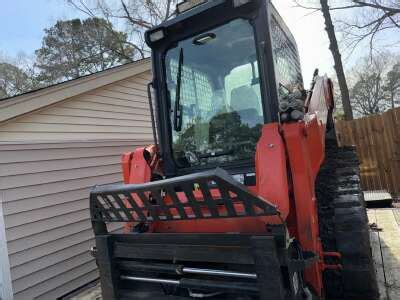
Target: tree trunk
333,46
392,95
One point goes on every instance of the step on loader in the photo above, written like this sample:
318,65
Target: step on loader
245,193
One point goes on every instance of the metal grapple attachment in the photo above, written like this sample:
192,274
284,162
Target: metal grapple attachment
189,266
206,195
178,266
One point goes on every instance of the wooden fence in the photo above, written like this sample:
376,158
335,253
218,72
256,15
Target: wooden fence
377,139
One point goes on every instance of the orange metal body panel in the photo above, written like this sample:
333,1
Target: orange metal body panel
271,169
295,147
136,169
272,185
288,159
305,150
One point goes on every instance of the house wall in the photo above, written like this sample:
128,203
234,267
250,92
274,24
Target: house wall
49,160
5,277
116,111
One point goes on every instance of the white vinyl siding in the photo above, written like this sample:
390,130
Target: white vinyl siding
45,190
116,111
49,160
16,106
5,276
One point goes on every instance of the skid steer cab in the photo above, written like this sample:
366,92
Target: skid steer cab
223,205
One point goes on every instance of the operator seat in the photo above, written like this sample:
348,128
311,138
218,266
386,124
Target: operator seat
245,102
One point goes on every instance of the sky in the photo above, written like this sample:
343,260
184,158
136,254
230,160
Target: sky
312,41
22,23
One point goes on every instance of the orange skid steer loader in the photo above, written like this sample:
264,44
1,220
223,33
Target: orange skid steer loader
245,194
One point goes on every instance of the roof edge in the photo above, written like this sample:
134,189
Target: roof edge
26,103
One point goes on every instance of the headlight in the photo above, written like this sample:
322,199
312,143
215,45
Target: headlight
237,3
189,4
156,35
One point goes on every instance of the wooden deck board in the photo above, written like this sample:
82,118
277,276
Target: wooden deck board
385,244
396,213
377,255
378,195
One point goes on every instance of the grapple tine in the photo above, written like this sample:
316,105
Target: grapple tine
135,206
169,206
209,199
150,208
194,204
177,204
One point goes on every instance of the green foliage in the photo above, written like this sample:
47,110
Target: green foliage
137,15
13,80
224,132
74,48
228,131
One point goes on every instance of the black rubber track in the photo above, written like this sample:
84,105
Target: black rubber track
344,225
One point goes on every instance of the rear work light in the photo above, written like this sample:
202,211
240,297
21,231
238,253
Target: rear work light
189,4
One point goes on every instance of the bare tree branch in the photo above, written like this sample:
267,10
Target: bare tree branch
377,5
368,20
137,15
139,22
